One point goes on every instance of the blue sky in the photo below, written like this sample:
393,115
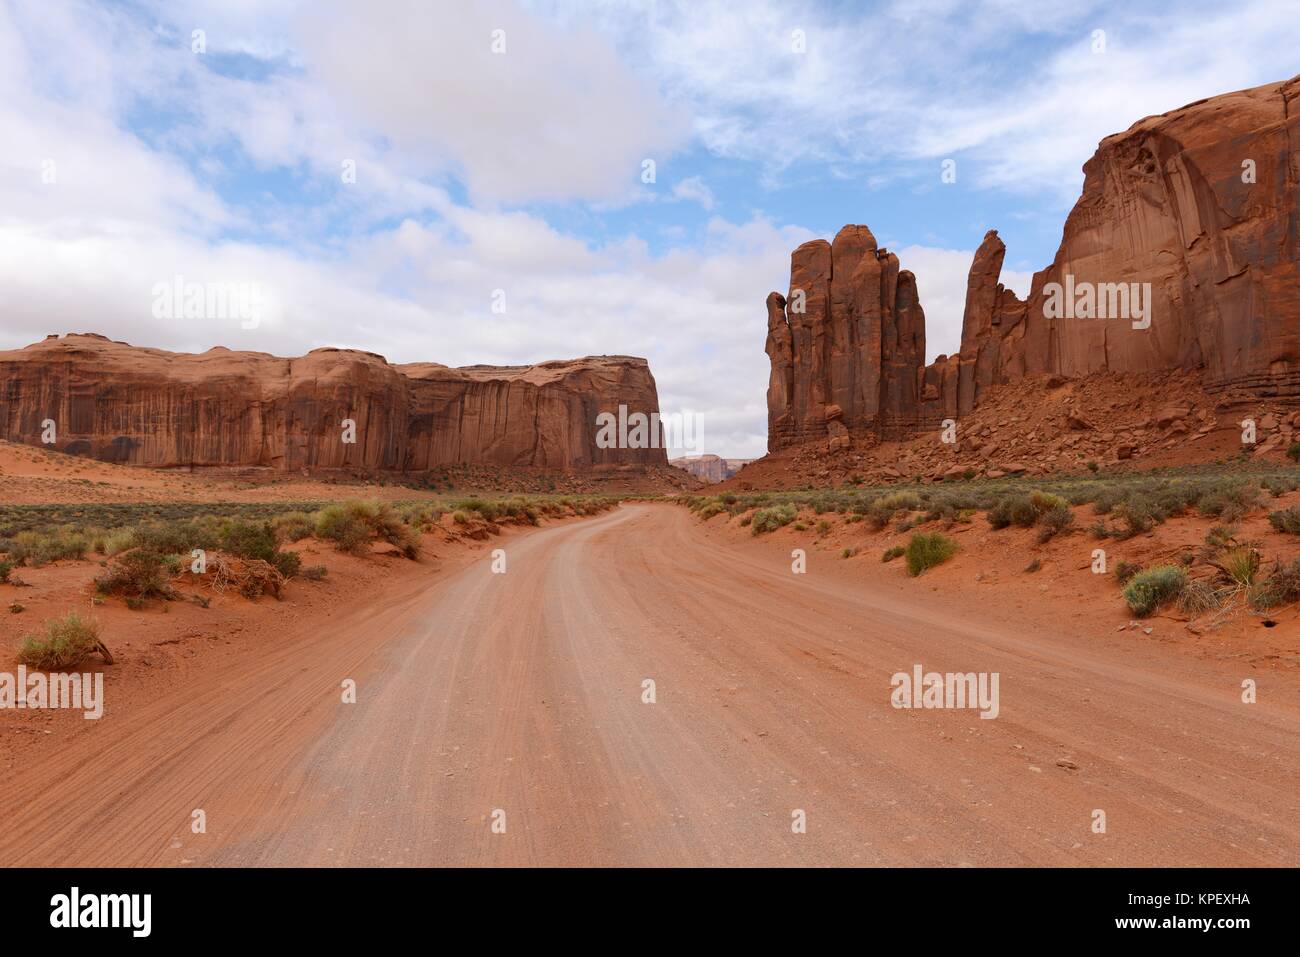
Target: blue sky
521,171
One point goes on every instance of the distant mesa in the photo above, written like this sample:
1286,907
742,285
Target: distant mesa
710,468
138,406
1195,211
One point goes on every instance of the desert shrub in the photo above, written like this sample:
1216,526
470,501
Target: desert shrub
1099,529
40,548
1013,510
293,526
1293,453
928,550
176,537
800,527
460,517
823,527
770,519
1198,597
1229,500
314,573
116,541
709,510
249,539
1282,587
140,573
896,551
1148,590
900,500
747,519
6,567
348,532
1046,501
1135,517
1126,570
1240,565
1054,521
64,644
1220,536
1286,520
1278,486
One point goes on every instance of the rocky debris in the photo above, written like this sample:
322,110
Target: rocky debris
139,406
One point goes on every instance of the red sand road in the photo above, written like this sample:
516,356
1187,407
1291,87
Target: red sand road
523,692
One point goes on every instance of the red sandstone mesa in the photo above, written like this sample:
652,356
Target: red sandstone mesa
1202,203
139,406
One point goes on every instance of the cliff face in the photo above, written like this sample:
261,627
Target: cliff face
845,345
1183,253
138,406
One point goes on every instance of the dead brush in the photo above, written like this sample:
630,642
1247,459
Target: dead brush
251,577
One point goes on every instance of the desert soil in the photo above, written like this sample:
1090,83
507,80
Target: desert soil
522,693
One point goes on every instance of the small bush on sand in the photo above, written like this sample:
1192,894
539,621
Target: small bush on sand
1148,590
64,644
338,524
1293,453
770,519
1198,597
315,573
1239,565
5,569
1054,521
1282,587
140,573
40,548
891,553
1287,520
1013,510
928,550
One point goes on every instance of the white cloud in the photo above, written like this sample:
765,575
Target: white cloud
695,190
555,116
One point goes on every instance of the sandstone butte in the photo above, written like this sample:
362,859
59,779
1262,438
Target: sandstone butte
139,406
1202,203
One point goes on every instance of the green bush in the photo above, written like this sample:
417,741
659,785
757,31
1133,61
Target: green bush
343,527
140,573
891,553
5,569
1293,453
65,643
1013,510
1148,590
770,519
928,550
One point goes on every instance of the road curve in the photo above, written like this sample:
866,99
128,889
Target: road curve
516,699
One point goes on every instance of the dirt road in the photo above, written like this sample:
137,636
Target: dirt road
522,693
